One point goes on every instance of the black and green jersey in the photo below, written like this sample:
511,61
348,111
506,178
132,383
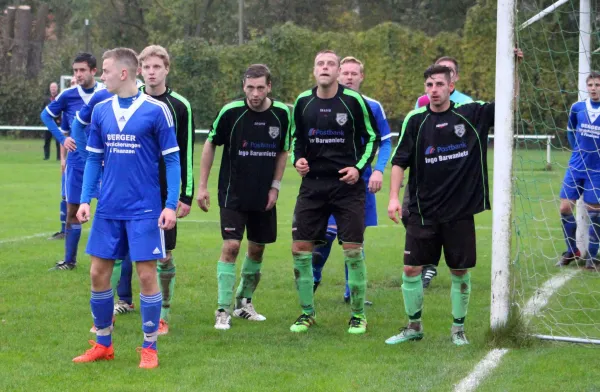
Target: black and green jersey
333,133
447,156
181,112
251,143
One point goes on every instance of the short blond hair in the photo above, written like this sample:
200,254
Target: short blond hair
126,56
156,51
328,51
353,60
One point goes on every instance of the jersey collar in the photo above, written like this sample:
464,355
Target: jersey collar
122,116
591,112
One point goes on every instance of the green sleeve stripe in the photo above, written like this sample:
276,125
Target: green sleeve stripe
286,109
189,181
293,126
404,123
456,105
372,135
231,105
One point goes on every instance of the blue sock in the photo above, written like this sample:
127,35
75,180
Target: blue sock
124,286
594,233
102,311
150,308
569,225
63,214
72,235
347,292
321,254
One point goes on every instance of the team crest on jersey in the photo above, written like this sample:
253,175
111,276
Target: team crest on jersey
341,118
273,132
459,130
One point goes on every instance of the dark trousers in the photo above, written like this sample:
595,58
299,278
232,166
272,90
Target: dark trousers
47,140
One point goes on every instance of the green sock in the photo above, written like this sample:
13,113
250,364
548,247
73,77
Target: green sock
357,280
116,275
226,281
303,273
250,278
412,290
460,292
166,282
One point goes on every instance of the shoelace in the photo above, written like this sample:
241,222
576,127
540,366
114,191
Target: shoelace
303,319
250,309
223,317
147,354
355,322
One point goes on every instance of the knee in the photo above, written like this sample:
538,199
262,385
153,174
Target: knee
255,251
231,249
100,274
459,272
147,277
410,270
300,247
566,207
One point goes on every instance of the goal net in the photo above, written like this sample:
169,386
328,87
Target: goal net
559,41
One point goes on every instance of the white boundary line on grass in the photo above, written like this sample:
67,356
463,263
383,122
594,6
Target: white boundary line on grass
534,305
28,237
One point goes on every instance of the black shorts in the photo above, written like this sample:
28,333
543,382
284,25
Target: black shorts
424,244
320,198
261,225
171,238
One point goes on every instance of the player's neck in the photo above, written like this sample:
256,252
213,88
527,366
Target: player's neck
156,90
127,91
265,105
326,92
441,108
88,86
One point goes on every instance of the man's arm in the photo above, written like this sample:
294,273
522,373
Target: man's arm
394,206
572,127
206,162
298,146
185,140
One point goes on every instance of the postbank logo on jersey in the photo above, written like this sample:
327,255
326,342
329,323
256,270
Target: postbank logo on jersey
446,152
257,149
326,136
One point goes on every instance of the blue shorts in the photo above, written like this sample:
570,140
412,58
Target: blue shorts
112,239
576,184
370,211
73,184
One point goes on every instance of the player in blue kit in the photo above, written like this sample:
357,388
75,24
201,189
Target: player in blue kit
582,177
352,75
129,132
68,103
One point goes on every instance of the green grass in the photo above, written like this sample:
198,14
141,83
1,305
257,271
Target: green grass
45,316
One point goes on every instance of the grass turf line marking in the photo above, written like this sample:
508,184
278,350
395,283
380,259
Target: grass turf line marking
533,306
28,237
481,370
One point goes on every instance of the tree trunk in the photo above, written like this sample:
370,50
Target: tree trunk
38,35
8,33
21,42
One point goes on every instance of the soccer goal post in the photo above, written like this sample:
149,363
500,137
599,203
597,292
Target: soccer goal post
559,304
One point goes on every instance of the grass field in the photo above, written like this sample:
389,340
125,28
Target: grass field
45,316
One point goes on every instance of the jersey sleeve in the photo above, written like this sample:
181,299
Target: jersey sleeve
286,121
220,129
405,149
56,107
572,123
298,135
480,114
366,126
84,115
95,143
164,129
185,140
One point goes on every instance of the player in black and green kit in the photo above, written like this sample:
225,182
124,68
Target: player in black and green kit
335,137
445,146
255,135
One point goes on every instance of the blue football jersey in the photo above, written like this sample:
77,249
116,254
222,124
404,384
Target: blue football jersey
132,141
584,122
68,103
384,131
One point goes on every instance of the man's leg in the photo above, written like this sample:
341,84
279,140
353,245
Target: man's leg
72,236
225,283
60,235
357,282
594,234
124,290
47,140
250,277
302,253
101,303
569,226
460,292
166,279
423,246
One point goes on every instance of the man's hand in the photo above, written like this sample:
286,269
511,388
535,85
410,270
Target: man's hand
83,213
375,181
302,166
70,144
272,199
203,199
395,210
351,175
519,55
167,219
182,209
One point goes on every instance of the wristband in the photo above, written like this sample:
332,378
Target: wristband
276,184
